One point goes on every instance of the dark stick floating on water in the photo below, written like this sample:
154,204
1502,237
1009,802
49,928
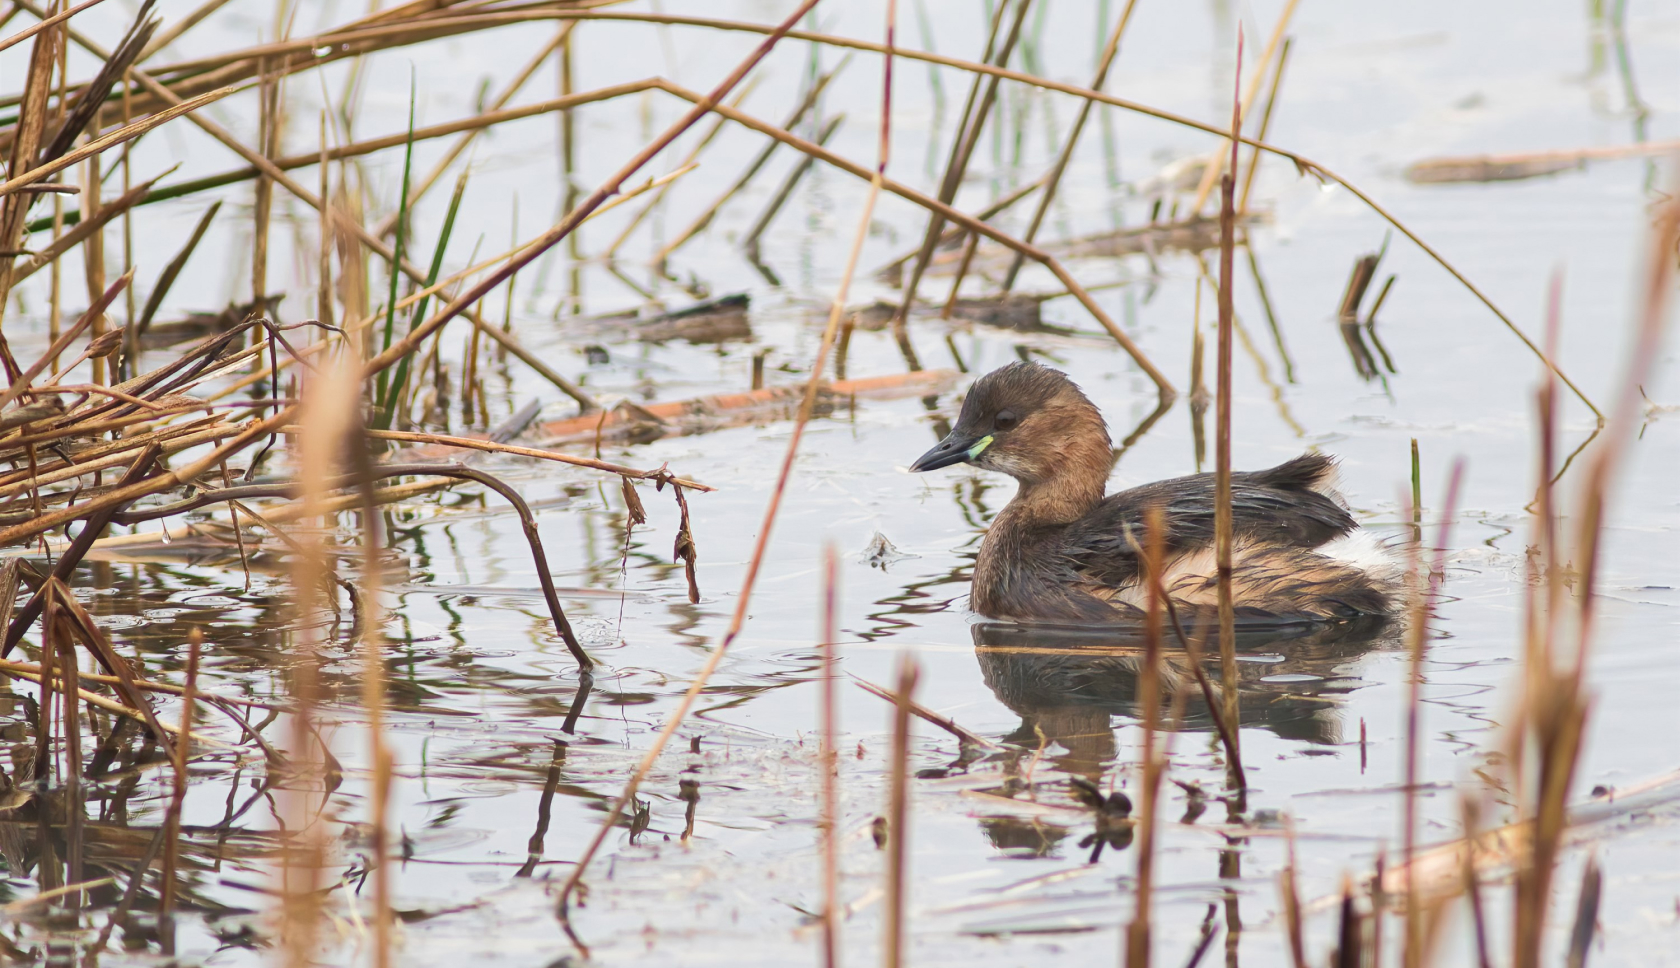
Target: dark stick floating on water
1062,551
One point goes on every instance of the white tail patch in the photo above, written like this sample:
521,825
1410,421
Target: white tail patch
1368,553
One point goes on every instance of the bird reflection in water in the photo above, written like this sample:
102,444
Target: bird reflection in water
1067,681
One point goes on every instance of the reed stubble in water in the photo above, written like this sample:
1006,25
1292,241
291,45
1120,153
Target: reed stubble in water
898,819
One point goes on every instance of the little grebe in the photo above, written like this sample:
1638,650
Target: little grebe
1061,551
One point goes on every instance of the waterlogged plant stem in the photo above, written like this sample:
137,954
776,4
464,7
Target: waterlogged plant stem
898,816
1229,679
830,761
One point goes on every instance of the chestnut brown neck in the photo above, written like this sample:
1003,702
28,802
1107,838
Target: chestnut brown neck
1063,472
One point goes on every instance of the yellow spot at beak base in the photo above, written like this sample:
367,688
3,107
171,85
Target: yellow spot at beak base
979,447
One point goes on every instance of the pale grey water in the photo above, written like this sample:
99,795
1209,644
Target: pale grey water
486,685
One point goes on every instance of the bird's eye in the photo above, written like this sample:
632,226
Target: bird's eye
1005,420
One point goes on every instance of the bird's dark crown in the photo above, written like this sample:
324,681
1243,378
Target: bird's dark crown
1034,424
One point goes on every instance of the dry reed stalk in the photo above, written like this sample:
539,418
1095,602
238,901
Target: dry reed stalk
1586,914
168,36
19,382
45,474
349,228
1305,165
470,443
898,818
352,41
830,761
30,132
93,263
83,627
34,672
1199,395
1228,675
1138,944
44,170
1350,938
772,507
156,484
568,174
43,24
1053,177
1554,705
268,137
43,598
1528,163
955,233
64,242
949,725
323,268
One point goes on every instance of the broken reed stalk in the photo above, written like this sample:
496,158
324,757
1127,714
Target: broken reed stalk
1222,526
898,817
772,507
1053,178
1149,698
1305,165
1586,914
829,822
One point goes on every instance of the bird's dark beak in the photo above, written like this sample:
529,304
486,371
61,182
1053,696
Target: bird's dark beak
956,448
